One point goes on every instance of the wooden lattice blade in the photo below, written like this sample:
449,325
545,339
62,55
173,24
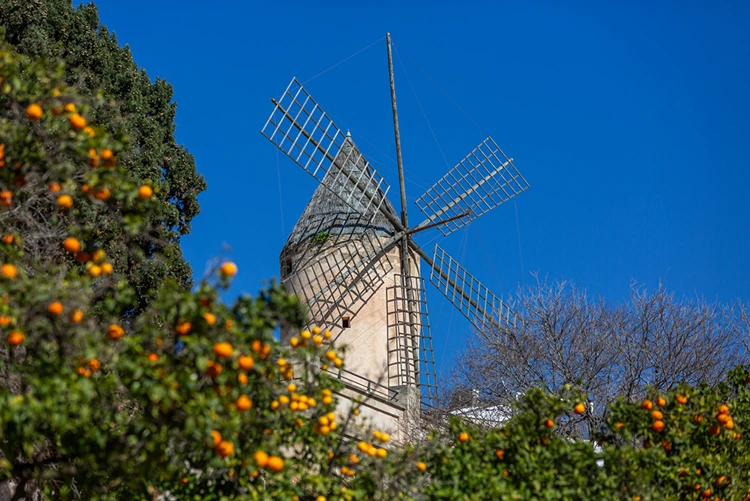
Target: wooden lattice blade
306,134
411,357
484,179
475,301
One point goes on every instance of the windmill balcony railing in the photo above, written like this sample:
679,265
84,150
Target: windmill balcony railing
368,386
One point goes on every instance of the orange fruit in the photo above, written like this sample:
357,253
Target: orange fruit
223,350
500,454
681,399
722,418
145,192
54,187
723,409
98,255
225,448
215,437
261,458
579,408
729,425
8,239
697,419
107,268
228,269
210,318
70,108
102,194
421,466
72,245
90,131
275,464
619,425
214,369
6,197
76,120
95,364
183,328
657,414
55,309
93,158
95,270
661,402
242,378
463,437
115,332
5,320
714,430
382,453
15,338
658,425
34,112
76,316
9,271
647,405
65,201
106,154
549,423
153,357
83,257
244,403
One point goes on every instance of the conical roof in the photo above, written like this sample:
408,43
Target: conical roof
328,216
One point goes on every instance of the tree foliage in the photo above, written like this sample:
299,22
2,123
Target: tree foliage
125,102
563,336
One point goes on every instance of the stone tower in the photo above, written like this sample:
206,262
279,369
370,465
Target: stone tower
333,243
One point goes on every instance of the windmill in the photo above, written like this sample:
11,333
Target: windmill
354,261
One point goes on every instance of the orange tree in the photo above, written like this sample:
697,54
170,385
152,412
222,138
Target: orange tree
137,106
682,445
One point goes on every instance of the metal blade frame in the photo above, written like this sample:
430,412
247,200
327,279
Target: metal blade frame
306,134
484,179
342,277
400,342
475,301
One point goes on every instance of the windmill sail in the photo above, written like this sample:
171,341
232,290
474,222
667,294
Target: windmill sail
475,301
337,248
480,182
411,358
307,135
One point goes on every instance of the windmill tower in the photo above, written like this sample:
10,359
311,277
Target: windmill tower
354,260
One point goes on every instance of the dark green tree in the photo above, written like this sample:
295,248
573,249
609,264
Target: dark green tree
127,103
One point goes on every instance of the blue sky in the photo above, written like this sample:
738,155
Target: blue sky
630,121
